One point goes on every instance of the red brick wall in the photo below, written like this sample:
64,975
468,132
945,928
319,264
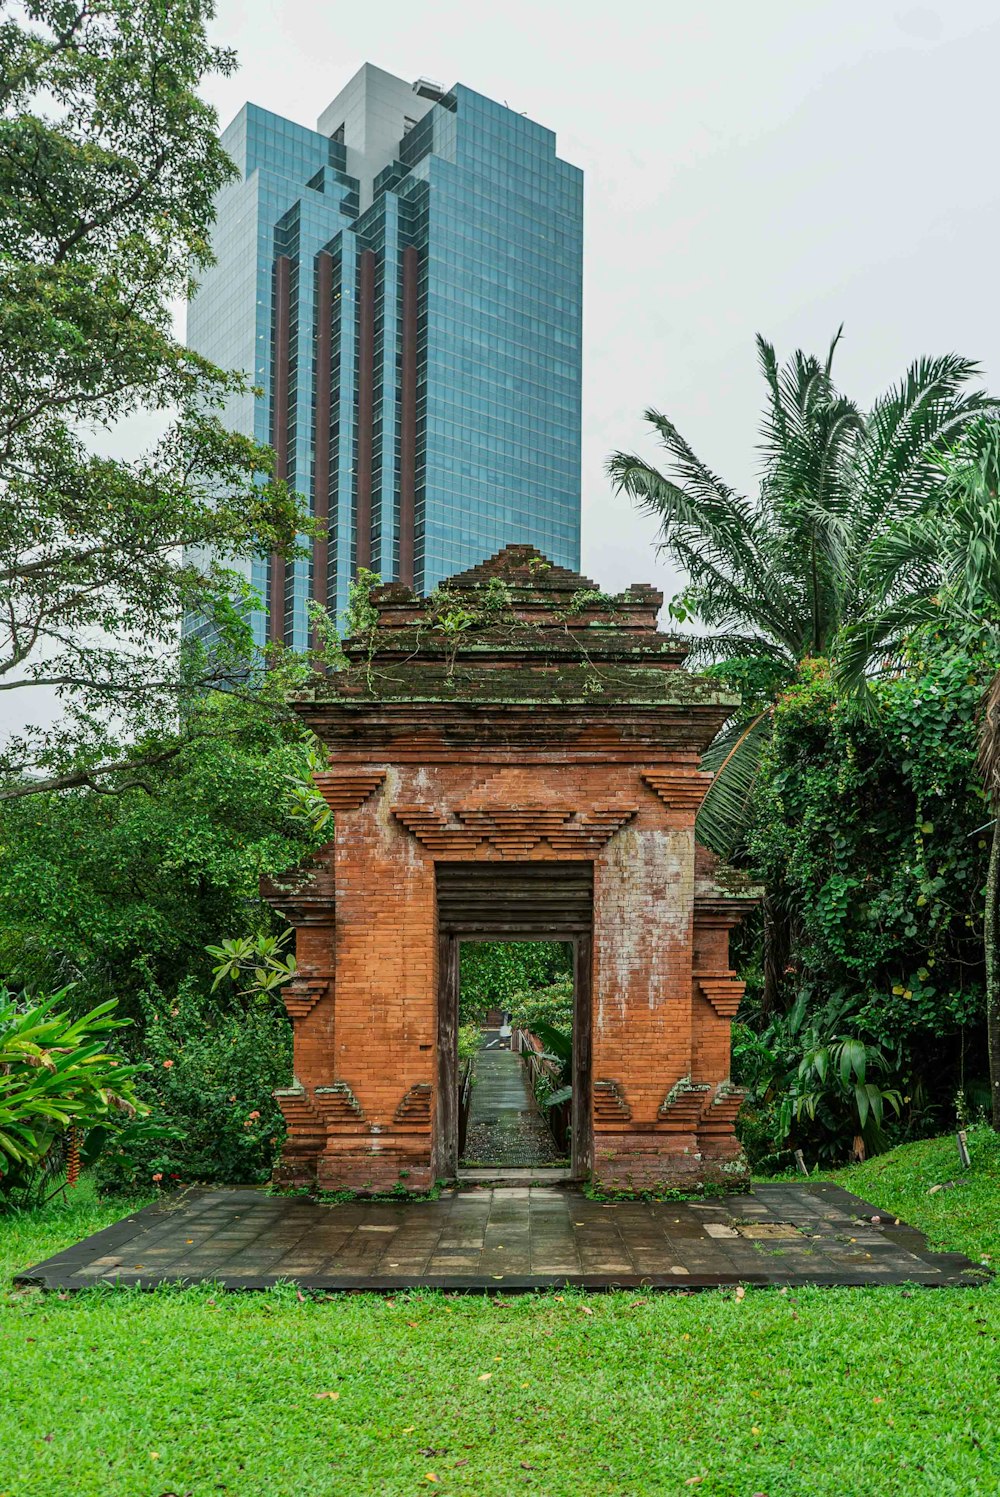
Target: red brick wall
373,1036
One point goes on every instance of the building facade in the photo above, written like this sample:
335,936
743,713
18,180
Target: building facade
403,286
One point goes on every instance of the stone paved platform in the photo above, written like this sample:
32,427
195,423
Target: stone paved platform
512,1239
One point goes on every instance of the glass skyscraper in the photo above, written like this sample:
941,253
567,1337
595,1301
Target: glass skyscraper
403,284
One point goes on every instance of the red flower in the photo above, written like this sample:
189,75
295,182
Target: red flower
167,1064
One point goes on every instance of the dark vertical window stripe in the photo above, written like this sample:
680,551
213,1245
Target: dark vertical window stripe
366,405
321,425
408,416
282,283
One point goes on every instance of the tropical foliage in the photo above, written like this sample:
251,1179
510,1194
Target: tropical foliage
941,569
551,1005
495,973
815,1083
212,1070
56,1074
109,162
869,831
122,894
854,605
555,1084
775,578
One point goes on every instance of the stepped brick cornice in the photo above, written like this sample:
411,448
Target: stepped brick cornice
346,791
303,993
680,788
339,1106
683,1105
304,895
610,1105
415,1108
513,830
723,990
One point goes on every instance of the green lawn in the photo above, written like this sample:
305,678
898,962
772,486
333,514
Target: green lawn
817,1393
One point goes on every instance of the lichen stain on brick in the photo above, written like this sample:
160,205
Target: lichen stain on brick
519,743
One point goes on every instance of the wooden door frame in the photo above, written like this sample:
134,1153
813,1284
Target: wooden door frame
445,1151
446,1111
581,1128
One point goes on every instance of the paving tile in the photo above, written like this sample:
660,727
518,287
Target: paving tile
522,1238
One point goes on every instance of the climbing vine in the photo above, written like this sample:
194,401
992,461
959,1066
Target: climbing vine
870,833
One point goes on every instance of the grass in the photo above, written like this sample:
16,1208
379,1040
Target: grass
830,1393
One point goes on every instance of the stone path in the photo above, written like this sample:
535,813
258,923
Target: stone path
513,1239
506,1128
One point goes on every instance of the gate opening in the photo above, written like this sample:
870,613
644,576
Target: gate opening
514,1061
515,1055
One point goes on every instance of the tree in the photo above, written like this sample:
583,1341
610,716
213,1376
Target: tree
495,973
120,895
940,569
776,577
109,163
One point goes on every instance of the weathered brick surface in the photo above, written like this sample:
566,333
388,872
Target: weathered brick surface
445,753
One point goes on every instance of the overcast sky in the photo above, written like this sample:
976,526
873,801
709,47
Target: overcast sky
779,166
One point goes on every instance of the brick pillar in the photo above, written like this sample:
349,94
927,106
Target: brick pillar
306,898
716,994
378,1100
643,888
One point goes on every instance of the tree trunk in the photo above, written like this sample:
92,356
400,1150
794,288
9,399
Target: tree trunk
989,768
991,942
777,943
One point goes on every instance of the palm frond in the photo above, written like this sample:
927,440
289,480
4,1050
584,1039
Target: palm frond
706,528
808,433
734,758
710,649
833,349
874,643
906,558
907,425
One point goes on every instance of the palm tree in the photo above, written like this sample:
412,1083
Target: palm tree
776,577
941,567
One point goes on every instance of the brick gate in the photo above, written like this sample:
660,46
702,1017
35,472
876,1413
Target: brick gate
517,755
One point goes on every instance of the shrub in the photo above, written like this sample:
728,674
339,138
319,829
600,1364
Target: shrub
55,1076
869,833
551,1006
468,1042
105,890
813,1084
212,1072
